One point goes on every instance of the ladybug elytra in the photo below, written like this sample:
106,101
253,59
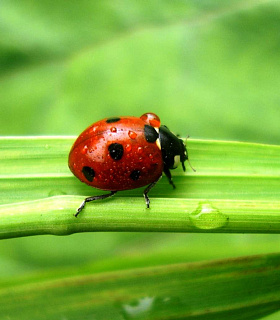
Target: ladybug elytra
122,153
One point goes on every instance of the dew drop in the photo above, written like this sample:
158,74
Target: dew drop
207,217
128,147
140,150
138,309
151,119
132,134
93,129
113,129
85,149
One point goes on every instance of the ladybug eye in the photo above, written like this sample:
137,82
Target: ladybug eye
151,119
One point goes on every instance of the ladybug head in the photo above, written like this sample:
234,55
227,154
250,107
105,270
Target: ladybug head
173,149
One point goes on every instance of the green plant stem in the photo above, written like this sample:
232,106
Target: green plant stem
55,216
236,189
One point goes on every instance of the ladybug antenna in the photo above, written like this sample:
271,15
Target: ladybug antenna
193,169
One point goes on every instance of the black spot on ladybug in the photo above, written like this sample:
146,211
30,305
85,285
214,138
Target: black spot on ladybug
113,119
89,173
150,132
116,151
135,174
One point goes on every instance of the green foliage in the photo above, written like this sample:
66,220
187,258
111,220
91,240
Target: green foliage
210,69
184,291
212,63
222,196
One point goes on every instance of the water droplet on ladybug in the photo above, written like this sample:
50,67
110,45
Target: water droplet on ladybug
151,119
94,129
132,134
140,149
85,149
128,147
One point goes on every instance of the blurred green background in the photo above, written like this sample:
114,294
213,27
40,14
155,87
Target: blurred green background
210,69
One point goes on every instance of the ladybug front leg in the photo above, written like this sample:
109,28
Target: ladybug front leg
100,197
146,191
169,177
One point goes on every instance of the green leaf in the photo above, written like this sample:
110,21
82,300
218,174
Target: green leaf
208,69
214,64
243,288
235,189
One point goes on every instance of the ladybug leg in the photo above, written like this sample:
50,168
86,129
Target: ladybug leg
100,197
146,191
169,177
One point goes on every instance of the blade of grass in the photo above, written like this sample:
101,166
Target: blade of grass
242,288
235,189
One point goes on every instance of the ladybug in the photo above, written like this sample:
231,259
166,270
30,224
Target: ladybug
122,153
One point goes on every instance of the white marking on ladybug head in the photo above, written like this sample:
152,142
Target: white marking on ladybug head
176,161
158,143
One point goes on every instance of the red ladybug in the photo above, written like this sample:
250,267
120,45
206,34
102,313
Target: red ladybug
123,153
